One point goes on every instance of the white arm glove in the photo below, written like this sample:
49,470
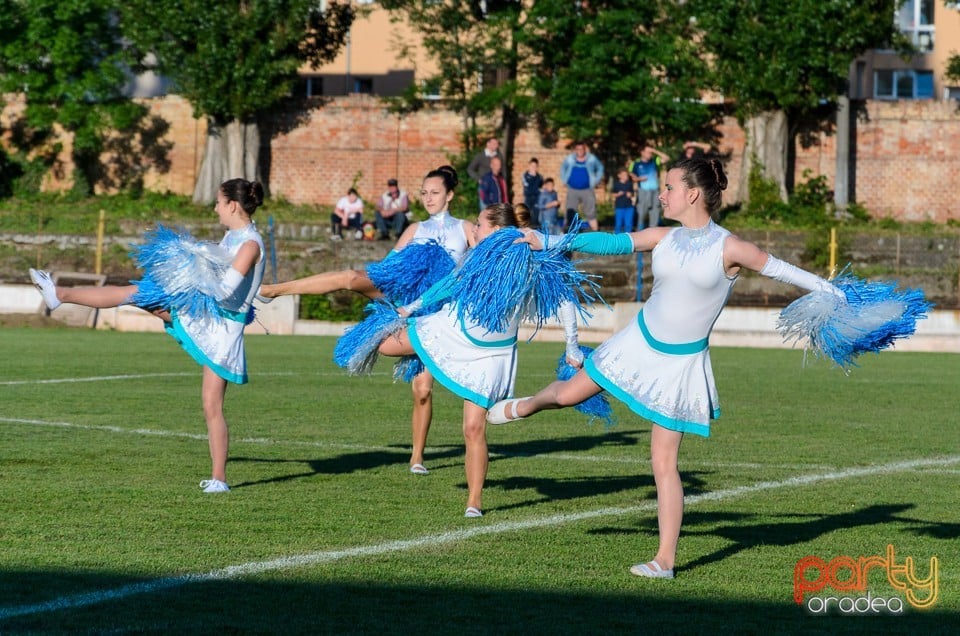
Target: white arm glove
568,317
787,273
231,281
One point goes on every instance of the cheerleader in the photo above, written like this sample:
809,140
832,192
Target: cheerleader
659,365
204,295
465,327
426,251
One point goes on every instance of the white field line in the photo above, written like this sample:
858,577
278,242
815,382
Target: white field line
369,447
446,538
141,376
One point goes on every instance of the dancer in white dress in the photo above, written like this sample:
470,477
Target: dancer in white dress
659,365
452,234
214,337
476,358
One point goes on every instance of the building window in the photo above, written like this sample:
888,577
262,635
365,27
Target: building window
915,19
903,84
363,85
309,86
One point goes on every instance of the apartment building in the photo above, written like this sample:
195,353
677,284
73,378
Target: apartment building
934,28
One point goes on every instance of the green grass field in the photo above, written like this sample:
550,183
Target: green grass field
103,528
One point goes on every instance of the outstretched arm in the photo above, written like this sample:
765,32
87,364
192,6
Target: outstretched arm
739,253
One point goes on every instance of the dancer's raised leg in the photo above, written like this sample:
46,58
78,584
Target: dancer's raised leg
557,395
348,279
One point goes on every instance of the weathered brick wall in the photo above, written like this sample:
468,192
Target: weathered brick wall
906,154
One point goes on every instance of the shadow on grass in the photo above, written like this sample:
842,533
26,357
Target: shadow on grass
742,535
373,459
242,606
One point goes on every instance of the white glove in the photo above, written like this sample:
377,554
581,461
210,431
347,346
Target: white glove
231,281
787,273
567,313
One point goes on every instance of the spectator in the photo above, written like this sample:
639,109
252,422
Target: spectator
645,172
480,164
493,187
391,210
622,192
532,182
693,149
581,172
549,204
348,214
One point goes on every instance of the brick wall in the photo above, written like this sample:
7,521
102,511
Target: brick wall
906,160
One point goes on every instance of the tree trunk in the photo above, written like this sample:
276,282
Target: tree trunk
767,139
232,151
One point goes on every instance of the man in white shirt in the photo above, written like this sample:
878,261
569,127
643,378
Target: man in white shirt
391,211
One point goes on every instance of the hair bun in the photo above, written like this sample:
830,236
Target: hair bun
452,173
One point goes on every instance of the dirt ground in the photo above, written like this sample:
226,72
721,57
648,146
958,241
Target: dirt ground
28,320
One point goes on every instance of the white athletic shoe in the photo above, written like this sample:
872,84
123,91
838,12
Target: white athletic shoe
214,485
48,289
651,570
472,513
497,414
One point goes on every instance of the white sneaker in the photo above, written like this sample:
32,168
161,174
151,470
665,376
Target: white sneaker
497,414
336,237
358,235
214,485
472,513
48,289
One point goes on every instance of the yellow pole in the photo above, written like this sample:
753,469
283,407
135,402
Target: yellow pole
833,251
99,259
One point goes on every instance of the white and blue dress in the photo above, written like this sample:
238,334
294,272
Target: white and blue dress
659,364
216,341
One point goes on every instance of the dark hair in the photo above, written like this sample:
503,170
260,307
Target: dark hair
534,160
706,175
353,191
507,215
548,180
249,194
448,174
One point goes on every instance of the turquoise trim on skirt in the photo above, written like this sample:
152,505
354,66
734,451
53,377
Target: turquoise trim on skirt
176,329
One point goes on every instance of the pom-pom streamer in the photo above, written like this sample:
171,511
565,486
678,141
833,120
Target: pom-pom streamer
874,316
180,273
404,276
357,349
597,406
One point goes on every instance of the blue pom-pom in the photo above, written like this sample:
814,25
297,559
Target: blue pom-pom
180,273
874,315
357,349
597,406
404,276
501,280
407,368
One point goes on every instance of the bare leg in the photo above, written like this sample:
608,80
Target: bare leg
348,279
97,297
397,345
664,452
422,387
213,389
476,460
558,395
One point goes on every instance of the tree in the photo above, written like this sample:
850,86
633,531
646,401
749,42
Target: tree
614,72
474,44
236,62
784,64
67,60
